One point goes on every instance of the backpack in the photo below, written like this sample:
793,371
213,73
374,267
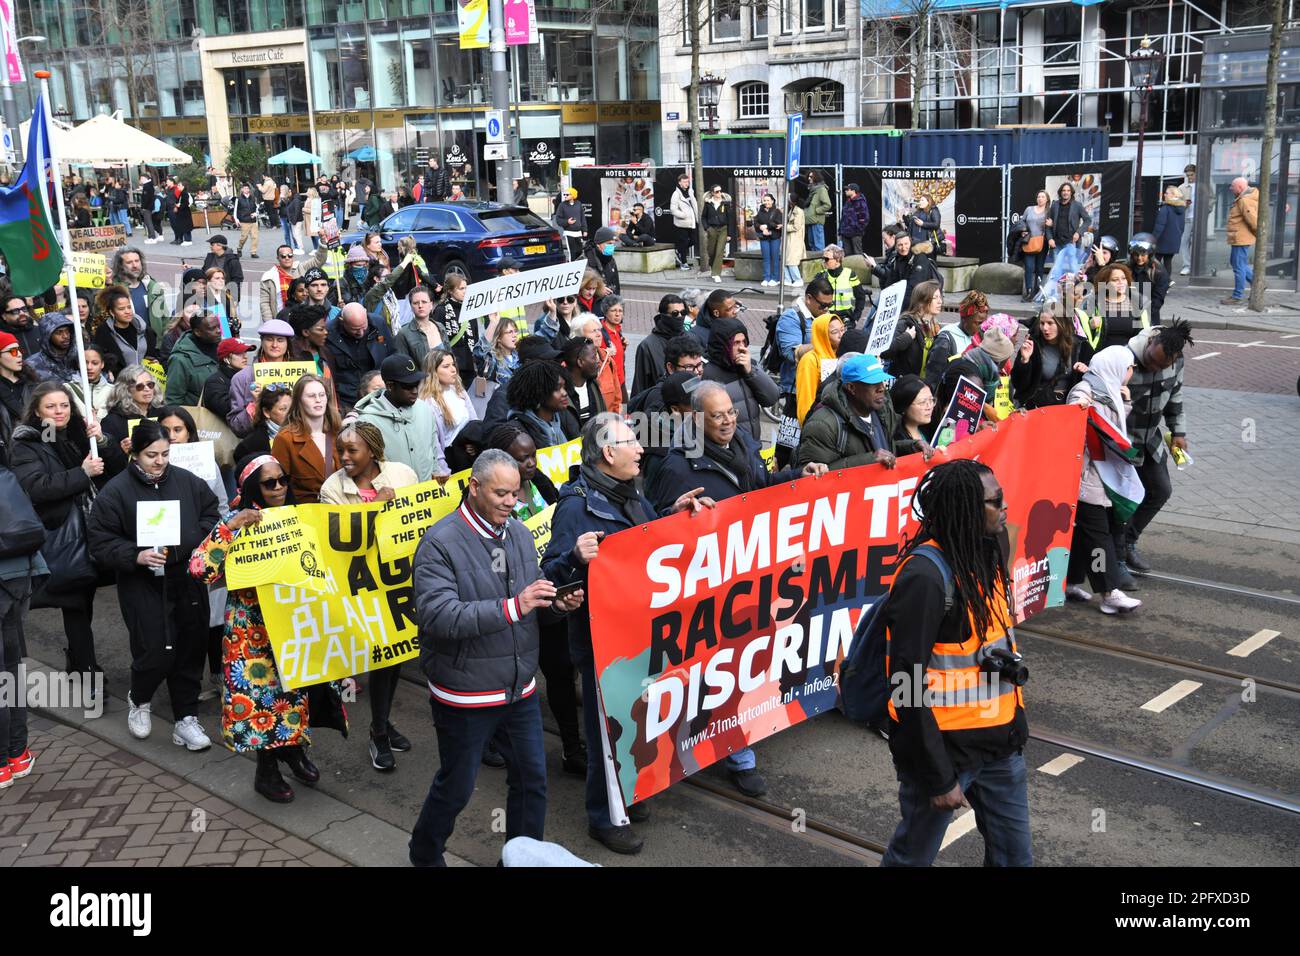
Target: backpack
864,680
770,357
21,532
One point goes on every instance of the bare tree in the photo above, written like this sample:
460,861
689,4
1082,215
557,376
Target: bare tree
125,30
1264,219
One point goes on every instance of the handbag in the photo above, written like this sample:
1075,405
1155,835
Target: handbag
216,430
21,530
1033,244
68,557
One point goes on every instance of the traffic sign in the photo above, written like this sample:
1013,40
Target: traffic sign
494,151
793,140
496,126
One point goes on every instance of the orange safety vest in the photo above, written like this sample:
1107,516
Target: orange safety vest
958,693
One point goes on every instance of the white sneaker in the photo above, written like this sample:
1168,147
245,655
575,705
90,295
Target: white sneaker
188,733
188,242
718,279
795,283
1185,271
1075,593
138,719
1117,602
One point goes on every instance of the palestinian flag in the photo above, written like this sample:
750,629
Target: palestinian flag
27,236
1111,455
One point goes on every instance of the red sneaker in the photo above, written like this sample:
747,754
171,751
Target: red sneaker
6,776
21,765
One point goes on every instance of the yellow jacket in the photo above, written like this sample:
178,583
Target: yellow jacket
808,373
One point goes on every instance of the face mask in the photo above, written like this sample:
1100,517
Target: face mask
608,248
359,273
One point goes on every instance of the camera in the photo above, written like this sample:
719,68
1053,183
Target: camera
1007,664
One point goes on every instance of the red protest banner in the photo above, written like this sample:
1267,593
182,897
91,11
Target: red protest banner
716,630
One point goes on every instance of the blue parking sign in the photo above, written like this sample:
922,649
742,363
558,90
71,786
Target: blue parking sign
793,140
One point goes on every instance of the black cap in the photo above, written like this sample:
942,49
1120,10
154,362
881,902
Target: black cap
854,186
508,262
536,347
219,238
314,275
188,276
401,369
677,388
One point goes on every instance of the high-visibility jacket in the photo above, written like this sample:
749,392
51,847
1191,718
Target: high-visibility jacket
958,693
844,285
517,316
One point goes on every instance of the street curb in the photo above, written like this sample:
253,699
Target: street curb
354,836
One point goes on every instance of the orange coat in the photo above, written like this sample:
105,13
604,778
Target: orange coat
610,389
1243,219
303,463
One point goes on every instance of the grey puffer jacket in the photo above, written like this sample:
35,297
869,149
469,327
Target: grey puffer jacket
475,647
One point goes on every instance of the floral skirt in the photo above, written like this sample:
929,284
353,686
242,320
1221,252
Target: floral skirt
257,713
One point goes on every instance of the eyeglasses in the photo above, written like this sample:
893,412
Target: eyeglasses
144,386
824,304
696,367
280,482
625,441
719,417
20,309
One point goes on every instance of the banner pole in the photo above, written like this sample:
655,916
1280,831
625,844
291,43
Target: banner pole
53,158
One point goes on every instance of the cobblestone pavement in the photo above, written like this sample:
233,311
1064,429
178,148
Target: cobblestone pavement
89,803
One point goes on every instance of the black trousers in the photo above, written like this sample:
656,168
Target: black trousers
1092,550
1154,476
81,638
852,245
167,627
561,695
382,688
684,242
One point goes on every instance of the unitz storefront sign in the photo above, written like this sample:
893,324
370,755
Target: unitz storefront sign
823,100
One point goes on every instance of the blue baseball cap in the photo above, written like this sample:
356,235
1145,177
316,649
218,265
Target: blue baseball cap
864,368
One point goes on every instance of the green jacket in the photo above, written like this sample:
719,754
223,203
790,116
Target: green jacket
188,368
819,206
838,438
410,434
159,316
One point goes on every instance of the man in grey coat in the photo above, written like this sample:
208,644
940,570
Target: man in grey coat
477,586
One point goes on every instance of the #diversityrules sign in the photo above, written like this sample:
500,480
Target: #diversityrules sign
713,631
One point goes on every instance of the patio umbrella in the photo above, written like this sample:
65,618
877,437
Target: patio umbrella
295,157
366,154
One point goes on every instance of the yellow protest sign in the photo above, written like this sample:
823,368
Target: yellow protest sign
1002,398
279,549
283,373
539,526
402,522
159,374
89,268
554,462
769,457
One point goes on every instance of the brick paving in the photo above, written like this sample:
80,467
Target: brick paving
89,803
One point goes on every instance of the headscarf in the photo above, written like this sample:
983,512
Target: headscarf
720,335
1105,376
808,373
250,491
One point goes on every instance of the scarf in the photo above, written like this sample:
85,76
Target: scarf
621,493
1105,376
552,430
272,429
732,464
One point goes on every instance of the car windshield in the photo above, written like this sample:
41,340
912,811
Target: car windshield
511,221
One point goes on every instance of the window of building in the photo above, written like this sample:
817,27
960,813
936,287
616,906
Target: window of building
814,14
610,54
322,47
421,79
569,74
387,60
191,84
758,19
1061,28
751,101
724,20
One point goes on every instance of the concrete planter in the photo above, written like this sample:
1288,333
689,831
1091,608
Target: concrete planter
657,258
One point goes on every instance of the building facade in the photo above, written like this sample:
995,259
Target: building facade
380,79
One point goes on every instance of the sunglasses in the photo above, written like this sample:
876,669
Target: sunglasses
12,350
677,313
567,299
280,482
286,255
144,386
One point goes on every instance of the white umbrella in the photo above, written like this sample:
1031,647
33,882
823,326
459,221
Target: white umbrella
106,139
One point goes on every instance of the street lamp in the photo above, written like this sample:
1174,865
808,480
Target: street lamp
1144,66
710,94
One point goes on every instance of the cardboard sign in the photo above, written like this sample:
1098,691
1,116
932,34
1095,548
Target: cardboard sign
888,313
197,458
522,288
283,373
98,238
157,524
962,417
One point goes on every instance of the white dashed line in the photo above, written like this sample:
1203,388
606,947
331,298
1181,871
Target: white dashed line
1293,335
1197,358
1172,696
1253,643
959,827
1058,765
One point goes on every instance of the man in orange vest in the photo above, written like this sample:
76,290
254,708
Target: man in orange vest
957,724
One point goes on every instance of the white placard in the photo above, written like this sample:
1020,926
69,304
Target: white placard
197,458
887,315
157,524
522,288
828,367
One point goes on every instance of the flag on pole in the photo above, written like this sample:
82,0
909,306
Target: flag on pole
27,236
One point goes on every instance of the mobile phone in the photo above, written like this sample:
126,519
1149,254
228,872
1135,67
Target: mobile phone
565,590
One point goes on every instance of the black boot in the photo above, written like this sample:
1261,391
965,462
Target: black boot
268,781
575,758
297,761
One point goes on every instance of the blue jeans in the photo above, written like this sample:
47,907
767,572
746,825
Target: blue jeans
996,792
771,259
792,275
120,217
516,729
287,226
815,237
1033,265
1242,271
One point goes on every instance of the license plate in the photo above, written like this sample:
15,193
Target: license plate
530,250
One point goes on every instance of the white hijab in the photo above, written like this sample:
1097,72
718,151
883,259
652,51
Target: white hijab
1105,376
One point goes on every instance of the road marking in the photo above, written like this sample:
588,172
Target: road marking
1058,765
1246,345
1262,345
1253,643
1170,697
1293,335
959,827
1197,358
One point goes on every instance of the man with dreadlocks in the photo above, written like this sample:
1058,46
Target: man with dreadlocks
1157,393
957,730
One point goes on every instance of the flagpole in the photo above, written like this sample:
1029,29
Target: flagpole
77,332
